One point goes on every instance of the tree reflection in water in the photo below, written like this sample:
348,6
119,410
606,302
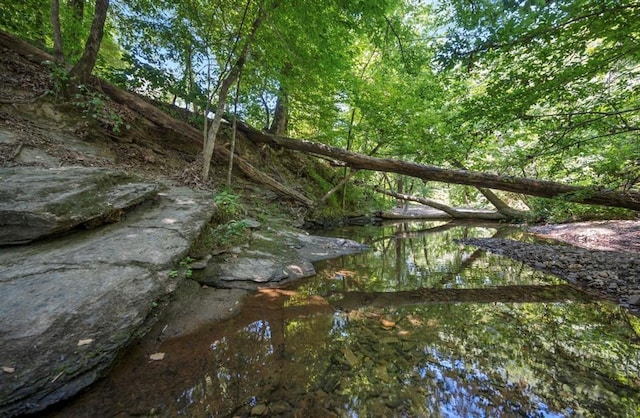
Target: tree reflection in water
419,326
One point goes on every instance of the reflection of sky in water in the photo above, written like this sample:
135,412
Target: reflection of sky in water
454,394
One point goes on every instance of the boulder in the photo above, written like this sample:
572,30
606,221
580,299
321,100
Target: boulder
38,202
70,305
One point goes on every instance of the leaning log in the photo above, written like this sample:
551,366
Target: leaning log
526,186
452,212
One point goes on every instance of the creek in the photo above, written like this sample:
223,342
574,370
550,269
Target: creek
417,326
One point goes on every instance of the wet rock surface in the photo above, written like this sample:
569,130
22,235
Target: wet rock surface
613,274
69,305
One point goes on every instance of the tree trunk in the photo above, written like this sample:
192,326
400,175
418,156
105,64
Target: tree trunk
498,203
191,137
501,206
234,73
212,131
527,186
83,68
280,123
453,212
58,50
335,188
234,132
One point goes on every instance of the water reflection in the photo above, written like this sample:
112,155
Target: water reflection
397,332
424,254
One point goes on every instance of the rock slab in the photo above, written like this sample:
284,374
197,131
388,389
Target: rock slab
274,257
69,305
38,202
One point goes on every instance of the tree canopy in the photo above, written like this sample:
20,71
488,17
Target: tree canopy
537,89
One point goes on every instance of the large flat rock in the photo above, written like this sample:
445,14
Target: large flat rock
274,257
68,306
38,202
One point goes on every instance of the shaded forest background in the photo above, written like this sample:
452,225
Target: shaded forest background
532,89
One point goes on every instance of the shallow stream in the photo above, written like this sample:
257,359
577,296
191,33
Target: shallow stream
418,326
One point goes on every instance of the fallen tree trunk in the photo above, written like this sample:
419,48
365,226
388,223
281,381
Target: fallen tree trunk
195,139
498,203
452,212
527,186
501,206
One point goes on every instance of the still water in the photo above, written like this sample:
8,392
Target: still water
418,326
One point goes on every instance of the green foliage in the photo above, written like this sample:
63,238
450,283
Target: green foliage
228,206
185,268
28,19
560,210
95,106
186,265
533,88
60,79
552,88
227,234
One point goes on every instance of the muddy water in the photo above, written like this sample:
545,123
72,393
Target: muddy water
419,326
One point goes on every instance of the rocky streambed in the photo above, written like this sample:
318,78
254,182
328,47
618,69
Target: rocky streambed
614,274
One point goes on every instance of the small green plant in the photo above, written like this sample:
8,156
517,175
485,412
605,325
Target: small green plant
94,105
60,78
227,234
228,205
185,267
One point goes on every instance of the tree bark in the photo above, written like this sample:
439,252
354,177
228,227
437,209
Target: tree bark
234,73
58,50
335,188
501,206
527,186
84,67
280,123
498,203
212,132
